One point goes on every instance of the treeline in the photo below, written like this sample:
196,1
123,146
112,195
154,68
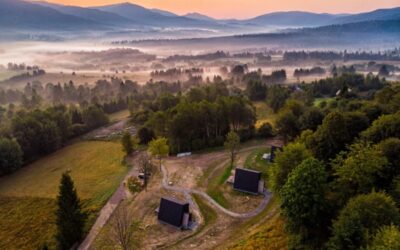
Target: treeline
338,177
259,56
31,134
198,119
176,72
344,55
308,72
22,66
24,76
328,87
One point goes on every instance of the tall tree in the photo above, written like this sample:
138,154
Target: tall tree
70,218
303,199
159,148
232,144
127,143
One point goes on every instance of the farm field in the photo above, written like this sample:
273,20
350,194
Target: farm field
28,196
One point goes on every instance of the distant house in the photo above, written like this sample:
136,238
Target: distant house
174,213
273,153
247,180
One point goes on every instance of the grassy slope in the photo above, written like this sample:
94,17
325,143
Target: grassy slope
28,196
269,230
269,233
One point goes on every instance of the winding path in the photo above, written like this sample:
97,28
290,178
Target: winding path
187,191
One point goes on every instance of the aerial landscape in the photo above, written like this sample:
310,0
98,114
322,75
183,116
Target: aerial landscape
169,124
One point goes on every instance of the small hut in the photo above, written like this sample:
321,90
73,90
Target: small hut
174,213
249,181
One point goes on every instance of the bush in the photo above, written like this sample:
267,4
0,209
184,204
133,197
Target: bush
134,185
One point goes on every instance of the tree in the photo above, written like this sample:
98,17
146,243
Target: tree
360,219
70,218
159,148
94,117
387,238
330,138
276,97
287,124
285,161
127,143
311,119
265,130
303,198
382,128
10,156
146,168
390,148
360,170
383,71
145,135
122,228
232,143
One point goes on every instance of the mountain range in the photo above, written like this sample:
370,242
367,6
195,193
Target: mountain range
18,16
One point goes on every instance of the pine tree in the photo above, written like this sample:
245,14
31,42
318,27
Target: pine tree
70,218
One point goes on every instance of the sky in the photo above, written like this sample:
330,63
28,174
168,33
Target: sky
247,8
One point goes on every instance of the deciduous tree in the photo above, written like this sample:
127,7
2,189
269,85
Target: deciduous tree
232,143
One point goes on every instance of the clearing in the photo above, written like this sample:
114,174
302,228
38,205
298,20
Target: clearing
197,172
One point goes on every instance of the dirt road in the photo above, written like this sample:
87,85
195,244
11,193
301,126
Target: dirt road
121,194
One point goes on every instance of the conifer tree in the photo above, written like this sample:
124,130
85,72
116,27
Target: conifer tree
70,218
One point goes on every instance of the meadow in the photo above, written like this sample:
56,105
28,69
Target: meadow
27,197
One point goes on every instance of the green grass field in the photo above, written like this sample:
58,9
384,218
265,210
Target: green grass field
28,196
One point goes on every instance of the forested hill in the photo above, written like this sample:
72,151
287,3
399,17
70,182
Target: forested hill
359,27
365,35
